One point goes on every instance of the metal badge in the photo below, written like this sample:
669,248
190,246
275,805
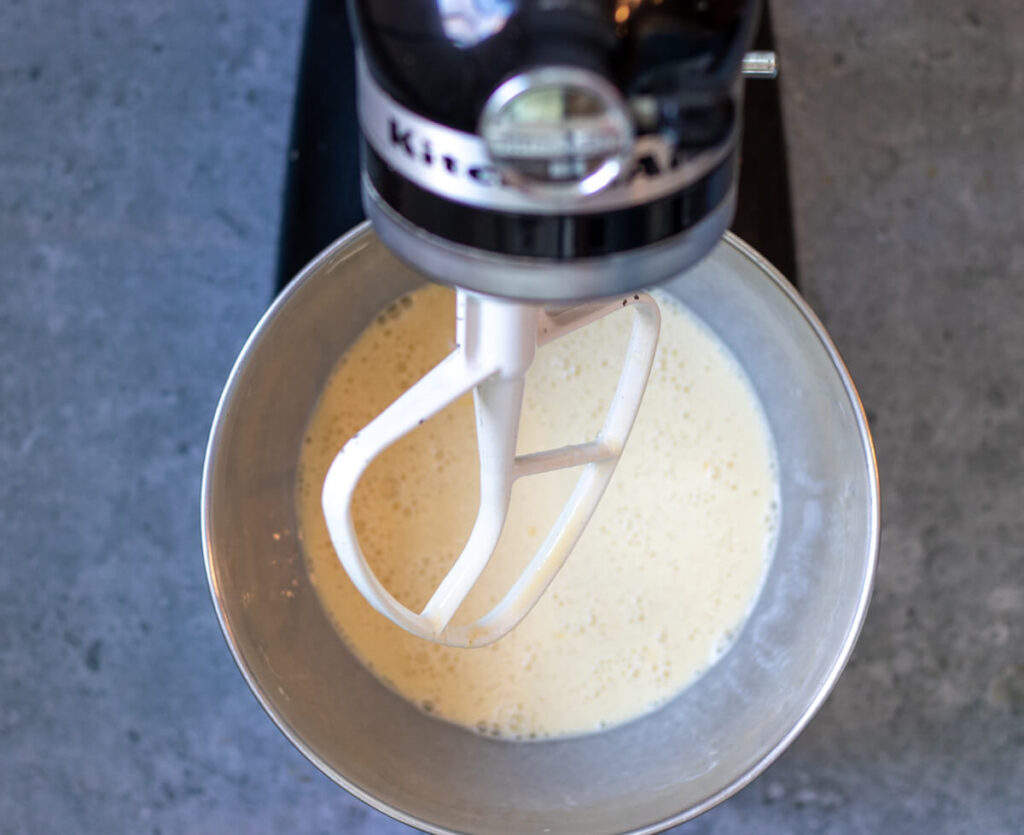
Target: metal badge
558,131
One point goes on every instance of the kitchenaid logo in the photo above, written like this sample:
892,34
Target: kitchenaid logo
652,157
421,150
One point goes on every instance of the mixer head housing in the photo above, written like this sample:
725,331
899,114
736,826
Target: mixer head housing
551,150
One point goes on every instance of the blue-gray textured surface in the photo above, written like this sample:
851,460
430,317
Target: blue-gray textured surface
142,152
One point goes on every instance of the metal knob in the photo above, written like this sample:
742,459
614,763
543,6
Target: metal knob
760,65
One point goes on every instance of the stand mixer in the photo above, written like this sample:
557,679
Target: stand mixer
538,218
549,160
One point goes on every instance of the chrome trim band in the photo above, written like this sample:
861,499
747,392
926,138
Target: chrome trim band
542,279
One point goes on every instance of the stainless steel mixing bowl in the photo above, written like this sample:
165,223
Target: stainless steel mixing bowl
642,777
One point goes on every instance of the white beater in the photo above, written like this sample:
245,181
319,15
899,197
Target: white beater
496,340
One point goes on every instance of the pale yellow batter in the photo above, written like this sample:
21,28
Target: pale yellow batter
655,590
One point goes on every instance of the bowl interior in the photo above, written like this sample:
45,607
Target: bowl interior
664,768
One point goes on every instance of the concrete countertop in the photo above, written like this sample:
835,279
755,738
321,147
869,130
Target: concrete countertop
142,152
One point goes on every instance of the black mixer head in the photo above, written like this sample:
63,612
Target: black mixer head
551,149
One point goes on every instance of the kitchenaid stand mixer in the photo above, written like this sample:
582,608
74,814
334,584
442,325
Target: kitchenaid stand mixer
566,247
538,156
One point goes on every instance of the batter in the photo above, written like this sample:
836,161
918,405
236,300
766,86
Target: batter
657,587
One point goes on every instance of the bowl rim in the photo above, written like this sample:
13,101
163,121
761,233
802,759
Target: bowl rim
358,236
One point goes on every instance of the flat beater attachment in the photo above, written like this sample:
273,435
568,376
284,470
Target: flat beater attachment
496,340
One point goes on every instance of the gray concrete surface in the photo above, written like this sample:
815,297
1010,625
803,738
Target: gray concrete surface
142,150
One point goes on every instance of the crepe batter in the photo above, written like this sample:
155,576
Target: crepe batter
658,585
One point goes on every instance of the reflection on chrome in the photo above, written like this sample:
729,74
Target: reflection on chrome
469,22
